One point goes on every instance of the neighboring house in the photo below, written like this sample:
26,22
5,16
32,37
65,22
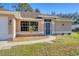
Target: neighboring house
14,24
75,27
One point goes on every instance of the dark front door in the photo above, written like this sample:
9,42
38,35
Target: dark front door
47,28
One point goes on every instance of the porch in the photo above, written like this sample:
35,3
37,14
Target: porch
29,38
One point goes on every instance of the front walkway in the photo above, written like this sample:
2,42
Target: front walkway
8,45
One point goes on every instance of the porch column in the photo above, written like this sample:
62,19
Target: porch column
14,28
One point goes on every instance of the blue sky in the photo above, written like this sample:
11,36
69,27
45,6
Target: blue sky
57,7
52,7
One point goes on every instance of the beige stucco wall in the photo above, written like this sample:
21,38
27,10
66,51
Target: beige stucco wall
17,25
41,26
11,28
56,27
59,28
39,32
53,27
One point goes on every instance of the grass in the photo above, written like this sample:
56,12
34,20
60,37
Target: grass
68,39
29,38
64,45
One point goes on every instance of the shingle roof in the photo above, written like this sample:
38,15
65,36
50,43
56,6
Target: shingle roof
28,14
3,9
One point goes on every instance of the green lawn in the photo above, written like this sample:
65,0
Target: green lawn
64,45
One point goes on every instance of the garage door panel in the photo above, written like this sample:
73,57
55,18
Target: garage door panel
3,28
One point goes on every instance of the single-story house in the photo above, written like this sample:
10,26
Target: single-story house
26,23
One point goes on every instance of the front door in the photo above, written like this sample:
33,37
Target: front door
47,28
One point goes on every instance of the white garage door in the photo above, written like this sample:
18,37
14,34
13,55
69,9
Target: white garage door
3,28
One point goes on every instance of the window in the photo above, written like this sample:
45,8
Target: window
34,26
25,25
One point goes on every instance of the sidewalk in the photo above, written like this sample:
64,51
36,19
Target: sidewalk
8,45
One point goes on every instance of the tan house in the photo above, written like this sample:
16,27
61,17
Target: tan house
14,24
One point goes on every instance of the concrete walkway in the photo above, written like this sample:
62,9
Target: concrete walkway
8,45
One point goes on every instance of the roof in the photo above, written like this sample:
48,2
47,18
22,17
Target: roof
33,15
3,9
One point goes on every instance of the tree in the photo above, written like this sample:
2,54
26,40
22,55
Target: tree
30,28
22,7
37,10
